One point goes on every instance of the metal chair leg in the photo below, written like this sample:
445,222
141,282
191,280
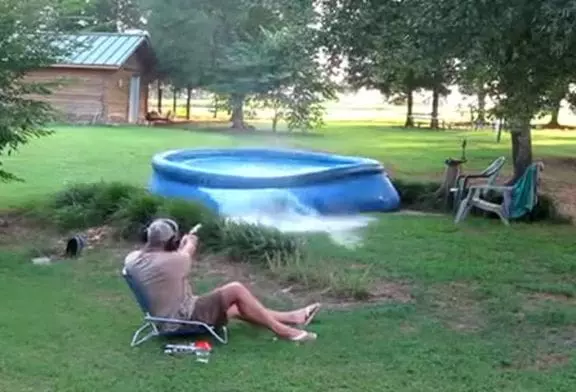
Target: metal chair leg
154,332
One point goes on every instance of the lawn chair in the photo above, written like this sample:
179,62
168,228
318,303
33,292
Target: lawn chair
518,199
490,174
152,323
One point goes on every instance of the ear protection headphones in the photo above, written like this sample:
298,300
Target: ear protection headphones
171,223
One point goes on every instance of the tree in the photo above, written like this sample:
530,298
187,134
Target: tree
234,52
557,92
297,95
26,43
526,47
376,40
523,47
98,15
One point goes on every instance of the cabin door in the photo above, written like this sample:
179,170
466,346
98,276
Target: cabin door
134,99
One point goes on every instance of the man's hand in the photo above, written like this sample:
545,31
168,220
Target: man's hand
188,245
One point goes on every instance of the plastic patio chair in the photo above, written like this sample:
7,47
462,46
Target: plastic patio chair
152,323
490,174
517,200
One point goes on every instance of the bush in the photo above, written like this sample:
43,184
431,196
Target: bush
189,214
130,209
256,244
421,196
414,193
135,213
86,205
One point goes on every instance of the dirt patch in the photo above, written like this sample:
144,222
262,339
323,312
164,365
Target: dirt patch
553,297
455,305
550,361
558,182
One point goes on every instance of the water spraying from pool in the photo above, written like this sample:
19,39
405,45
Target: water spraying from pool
295,191
279,208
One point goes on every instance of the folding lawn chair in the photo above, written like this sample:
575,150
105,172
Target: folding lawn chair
152,323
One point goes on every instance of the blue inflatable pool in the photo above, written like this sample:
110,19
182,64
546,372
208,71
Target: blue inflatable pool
239,181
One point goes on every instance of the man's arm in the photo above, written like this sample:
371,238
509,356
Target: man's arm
188,246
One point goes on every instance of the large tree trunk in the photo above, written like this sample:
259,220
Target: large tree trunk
159,97
409,109
554,123
237,119
188,99
174,101
520,134
434,124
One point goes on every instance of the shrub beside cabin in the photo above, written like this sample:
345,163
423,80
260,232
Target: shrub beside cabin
104,79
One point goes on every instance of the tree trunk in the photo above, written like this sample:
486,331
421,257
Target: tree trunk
237,103
434,124
520,134
174,101
481,118
409,109
159,97
554,123
188,99
216,103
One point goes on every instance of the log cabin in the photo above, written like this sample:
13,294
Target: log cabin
103,79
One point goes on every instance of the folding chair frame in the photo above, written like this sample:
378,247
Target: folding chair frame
151,322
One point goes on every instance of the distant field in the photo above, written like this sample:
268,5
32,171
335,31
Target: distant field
351,110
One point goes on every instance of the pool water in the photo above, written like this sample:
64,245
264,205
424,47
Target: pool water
254,167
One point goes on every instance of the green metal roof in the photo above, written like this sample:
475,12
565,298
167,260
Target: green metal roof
107,50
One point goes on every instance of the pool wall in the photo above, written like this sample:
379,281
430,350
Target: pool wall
346,185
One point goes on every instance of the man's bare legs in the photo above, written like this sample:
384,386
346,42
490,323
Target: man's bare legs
293,317
241,303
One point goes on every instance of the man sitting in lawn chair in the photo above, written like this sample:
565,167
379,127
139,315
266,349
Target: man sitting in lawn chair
162,268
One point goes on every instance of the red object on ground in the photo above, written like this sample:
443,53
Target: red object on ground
203,345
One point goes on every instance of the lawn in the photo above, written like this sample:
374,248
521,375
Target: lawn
91,154
479,307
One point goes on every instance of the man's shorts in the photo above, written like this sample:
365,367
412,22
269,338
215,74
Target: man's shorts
210,309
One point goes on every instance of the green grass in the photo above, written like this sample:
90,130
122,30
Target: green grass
114,153
492,309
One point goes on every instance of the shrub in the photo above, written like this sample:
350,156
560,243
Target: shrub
188,214
85,205
135,213
414,193
421,196
130,209
255,244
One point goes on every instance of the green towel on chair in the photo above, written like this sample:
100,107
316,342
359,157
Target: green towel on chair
525,193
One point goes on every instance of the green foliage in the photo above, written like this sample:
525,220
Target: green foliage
244,50
256,244
417,195
130,209
377,40
98,15
84,205
517,52
135,213
26,37
326,275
